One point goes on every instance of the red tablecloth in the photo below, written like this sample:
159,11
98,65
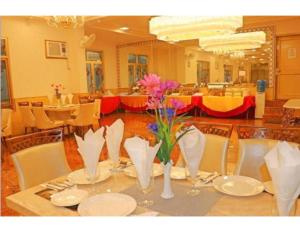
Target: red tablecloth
109,104
249,101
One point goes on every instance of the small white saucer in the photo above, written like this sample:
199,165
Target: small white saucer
68,197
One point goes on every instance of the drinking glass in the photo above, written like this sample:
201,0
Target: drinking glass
146,189
92,175
274,209
194,191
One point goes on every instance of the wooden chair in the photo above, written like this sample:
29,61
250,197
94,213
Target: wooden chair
255,142
37,104
6,128
42,120
27,117
216,145
24,103
85,117
38,157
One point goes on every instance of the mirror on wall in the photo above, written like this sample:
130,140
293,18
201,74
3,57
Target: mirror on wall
190,65
6,88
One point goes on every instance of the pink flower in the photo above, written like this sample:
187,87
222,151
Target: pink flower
150,82
177,104
153,103
169,85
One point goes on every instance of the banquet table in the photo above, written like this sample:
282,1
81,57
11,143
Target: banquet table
224,106
109,104
28,203
60,112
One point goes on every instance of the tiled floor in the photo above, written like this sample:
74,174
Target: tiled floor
134,124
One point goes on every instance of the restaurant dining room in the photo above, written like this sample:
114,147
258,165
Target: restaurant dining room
150,115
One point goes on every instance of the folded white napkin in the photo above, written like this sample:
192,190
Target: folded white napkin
192,146
142,156
63,99
283,162
90,149
114,136
70,97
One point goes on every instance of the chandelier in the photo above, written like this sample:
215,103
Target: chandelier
237,54
225,44
66,22
173,28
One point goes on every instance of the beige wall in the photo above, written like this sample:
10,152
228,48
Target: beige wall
32,73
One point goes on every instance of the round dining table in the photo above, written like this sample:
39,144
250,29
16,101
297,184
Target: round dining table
60,112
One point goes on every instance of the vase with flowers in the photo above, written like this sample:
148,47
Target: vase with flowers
166,124
57,90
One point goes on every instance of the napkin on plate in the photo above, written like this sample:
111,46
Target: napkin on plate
142,156
192,146
63,99
114,136
70,98
90,149
283,162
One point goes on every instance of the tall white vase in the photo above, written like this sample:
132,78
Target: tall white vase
167,190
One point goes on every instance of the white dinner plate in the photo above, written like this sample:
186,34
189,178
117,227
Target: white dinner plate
269,187
107,204
179,173
157,170
238,185
79,176
68,197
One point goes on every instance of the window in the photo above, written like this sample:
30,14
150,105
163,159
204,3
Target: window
228,71
137,68
202,72
94,71
259,71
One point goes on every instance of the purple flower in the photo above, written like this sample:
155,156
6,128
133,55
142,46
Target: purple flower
153,127
177,104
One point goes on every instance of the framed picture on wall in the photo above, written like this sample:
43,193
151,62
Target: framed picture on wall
3,47
56,49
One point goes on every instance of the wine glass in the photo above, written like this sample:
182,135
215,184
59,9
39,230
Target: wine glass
92,175
146,187
192,177
274,209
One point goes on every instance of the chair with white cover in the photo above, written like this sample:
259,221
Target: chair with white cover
38,157
255,143
97,111
27,117
217,137
85,117
42,120
6,128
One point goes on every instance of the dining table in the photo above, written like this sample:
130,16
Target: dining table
60,112
210,202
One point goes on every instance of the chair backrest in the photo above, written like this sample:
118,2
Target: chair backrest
27,116
41,118
38,157
97,108
6,122
216,145
85,116
255,143
24,103
37,104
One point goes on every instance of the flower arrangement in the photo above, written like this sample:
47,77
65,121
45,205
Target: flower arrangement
167,122
57,88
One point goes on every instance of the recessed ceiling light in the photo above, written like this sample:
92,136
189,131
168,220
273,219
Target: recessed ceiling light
124,28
